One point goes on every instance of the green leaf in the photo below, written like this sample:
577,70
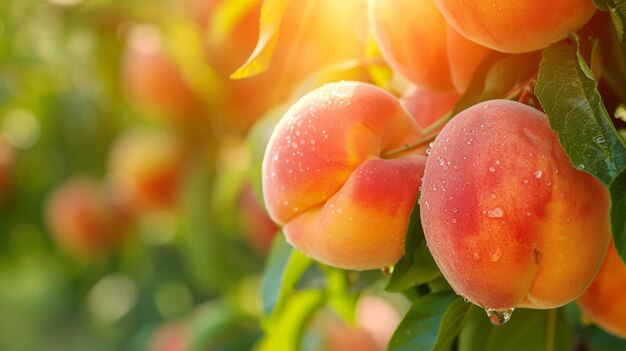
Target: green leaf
568,94
618,213
286,330
408,273
417,266
496,76
272,12
617,9
283,270
432,323
527,330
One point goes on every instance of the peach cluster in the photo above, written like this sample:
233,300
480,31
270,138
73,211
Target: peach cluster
330,175
507,218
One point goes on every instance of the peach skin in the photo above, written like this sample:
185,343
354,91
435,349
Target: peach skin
427,106
604,302
464,56
328,179
411,35
81,220
516,26
507,218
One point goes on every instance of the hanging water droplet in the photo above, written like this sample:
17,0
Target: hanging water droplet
499,317
465,299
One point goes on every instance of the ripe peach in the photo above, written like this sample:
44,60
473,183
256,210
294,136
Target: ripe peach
519,25
81,219
153,81
506,216
427,106
171,336
145,169
604,302
326,176
411,35
464,56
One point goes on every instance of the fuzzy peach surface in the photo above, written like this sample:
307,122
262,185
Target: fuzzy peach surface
412,38
508,220
516,26
604,302
325,180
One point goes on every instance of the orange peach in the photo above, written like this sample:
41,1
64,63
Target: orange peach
152,80
411,35
464,56
604,302
145,168
81,219
516,26
329,178
506,216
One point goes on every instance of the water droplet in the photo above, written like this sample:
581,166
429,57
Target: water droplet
495,213
496,255
492,169
525,181
537,255
476,256
538,174
465,299
498,162
499,317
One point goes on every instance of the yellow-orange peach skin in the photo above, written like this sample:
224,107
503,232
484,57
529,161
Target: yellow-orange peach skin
325,180
507,218
411,35
516,26
604,302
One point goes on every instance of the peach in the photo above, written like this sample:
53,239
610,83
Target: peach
516,26
145,168
464,56
507,218
427,106
171,336
81,219
604,302
152,80
411,35
328,178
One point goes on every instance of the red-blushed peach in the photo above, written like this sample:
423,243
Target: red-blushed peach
516,26
145,168
81,220
152,80
411,35
325,178
464,56
427,106
604,302
171,336
507,218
